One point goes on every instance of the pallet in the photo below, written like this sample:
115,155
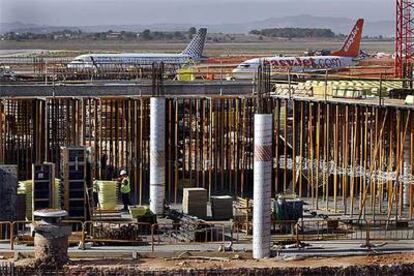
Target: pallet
244,214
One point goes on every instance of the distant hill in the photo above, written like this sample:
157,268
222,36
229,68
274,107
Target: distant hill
338,25
15,26
33,28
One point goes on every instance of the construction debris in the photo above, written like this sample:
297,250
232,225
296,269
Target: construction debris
193,229
105,233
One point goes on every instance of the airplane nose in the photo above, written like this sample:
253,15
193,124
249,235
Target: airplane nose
236,73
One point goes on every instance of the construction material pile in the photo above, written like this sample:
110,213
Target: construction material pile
107,194
138,211
192,229
342,88
287,208
195,202
354,88
222,207
145,218
195,230
243,214
119,232
26,188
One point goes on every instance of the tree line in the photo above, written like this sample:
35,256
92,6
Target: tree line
294,32
118,35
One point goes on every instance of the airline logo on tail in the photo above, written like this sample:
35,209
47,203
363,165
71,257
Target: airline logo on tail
196,46
352,42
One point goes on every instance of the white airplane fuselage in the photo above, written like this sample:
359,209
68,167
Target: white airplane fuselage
249,68
347,55
103,60
193,52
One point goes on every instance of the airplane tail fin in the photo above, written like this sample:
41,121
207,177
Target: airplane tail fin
350,48
196,46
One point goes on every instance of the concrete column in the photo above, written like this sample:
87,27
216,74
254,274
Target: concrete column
262,185
157,154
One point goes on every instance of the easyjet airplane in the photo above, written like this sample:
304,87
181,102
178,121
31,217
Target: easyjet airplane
193,52
347,56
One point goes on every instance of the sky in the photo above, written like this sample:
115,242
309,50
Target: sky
129,12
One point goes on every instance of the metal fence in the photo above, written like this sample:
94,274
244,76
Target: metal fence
155,235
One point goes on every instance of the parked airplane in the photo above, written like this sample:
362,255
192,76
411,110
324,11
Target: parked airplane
348,55
193,52
381,55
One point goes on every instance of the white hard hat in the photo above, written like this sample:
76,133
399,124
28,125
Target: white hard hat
123,172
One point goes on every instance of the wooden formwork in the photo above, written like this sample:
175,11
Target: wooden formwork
349,158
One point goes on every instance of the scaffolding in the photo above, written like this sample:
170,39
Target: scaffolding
404,38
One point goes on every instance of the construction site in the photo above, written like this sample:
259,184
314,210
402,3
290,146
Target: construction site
286,173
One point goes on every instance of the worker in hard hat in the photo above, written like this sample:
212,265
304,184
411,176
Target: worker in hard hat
125,189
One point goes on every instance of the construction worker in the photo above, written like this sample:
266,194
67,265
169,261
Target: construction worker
125,189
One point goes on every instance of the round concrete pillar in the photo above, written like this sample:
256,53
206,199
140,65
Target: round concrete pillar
51,238
262,186
157,154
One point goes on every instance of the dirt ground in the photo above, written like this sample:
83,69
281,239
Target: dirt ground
312,262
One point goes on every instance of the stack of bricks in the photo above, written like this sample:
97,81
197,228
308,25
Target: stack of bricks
195,202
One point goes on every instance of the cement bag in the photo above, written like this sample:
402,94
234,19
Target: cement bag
107,194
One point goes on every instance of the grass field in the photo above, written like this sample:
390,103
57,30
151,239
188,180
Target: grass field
280,46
